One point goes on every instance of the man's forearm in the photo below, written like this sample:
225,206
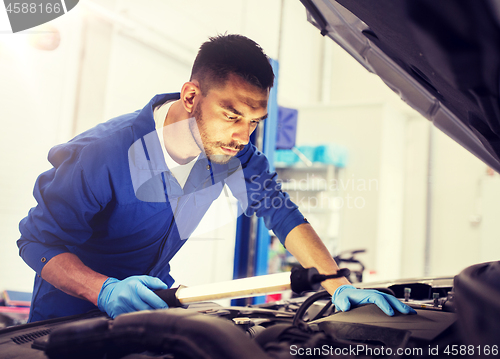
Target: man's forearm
305,245
67,273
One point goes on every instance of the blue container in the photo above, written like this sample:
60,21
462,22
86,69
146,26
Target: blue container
286,157
308,151
331,154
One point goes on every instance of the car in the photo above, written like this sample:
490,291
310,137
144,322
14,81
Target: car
452,312
442,58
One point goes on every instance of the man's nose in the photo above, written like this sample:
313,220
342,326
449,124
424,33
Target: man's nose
242,133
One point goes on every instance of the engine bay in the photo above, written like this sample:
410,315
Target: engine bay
304,326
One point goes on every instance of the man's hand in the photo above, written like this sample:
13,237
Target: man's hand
129,295
347,295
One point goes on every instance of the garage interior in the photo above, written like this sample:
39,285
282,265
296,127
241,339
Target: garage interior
418,203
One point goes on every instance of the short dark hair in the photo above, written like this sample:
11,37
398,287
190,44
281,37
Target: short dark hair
223,55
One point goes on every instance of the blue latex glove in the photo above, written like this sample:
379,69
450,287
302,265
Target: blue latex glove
347,295
129,295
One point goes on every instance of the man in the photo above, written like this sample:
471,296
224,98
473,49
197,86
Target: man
124,196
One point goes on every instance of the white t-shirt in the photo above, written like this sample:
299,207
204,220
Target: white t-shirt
180,172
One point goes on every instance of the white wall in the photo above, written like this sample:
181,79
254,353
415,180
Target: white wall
488,216
456,196
358,128
37,101
389,242
389,142
415,196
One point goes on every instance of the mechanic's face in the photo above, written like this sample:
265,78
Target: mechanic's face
227,116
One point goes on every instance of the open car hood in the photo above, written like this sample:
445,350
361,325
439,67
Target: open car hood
441,57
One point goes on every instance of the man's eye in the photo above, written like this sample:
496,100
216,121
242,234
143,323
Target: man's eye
231,117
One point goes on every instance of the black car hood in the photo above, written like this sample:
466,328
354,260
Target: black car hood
441,57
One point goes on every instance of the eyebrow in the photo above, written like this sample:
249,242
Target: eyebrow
238,113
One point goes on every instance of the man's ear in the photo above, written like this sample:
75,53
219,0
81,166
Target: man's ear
189,95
